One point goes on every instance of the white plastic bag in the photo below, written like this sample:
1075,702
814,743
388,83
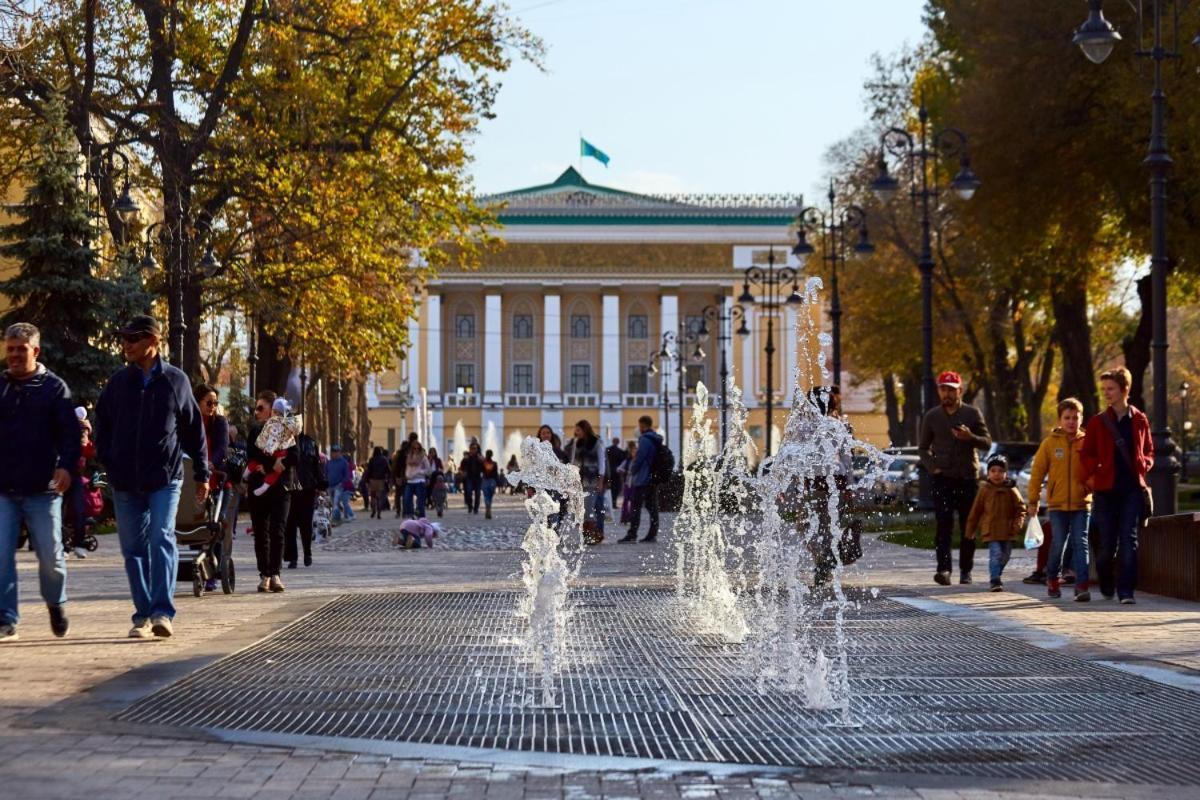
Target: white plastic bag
1033,534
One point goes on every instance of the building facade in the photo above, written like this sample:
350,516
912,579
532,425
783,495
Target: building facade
565,320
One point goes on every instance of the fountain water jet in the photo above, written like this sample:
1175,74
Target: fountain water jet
458,444
491,441
550,563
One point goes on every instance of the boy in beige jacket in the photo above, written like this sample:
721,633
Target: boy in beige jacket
999,514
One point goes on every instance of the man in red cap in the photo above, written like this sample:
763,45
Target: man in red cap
951,436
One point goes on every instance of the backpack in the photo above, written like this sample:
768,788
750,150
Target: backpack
662,466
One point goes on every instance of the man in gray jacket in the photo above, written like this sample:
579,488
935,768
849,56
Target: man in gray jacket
951,436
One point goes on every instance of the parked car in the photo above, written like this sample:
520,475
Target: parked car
899,482
1019,454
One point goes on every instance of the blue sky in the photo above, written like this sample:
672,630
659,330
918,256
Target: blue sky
689,95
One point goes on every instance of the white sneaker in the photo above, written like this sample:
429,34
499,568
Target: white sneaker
80,552
162,627
264,584
275,584
140,629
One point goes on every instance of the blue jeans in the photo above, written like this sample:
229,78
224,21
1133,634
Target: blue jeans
42,514
1069,528
414,500
146,528
489,491
998,555
1118,516
341,504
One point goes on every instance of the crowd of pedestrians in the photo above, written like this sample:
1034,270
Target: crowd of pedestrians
1095,485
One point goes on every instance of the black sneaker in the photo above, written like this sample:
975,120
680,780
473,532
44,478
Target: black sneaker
1036,579
650,537
627,538
1128,601
1083,597
8,632
997,586
964,578
59,624
941,578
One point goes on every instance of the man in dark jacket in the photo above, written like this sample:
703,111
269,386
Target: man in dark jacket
614,456
951,436
310,477
40,449
146,419
645,490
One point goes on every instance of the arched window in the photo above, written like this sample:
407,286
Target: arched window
464,326
581,326
523,326
638,326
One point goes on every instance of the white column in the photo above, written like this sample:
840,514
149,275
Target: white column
493,365
748,375
414,356
790,364
731,332
433,348
668,321
552,350
610,425
611,364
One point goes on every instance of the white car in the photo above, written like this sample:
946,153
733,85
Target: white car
899,482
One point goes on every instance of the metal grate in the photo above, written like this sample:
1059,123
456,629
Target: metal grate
932,695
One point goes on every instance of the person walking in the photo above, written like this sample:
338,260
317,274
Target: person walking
489,479
645,490
378,470
310,479
614,456
41,446
951,436
269,500
586,451
1116,455
146,419
338,475
74,500
400,471
416,480
216,442
998,512
1070,501
472,469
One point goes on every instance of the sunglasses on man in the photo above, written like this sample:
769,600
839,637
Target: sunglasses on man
133,338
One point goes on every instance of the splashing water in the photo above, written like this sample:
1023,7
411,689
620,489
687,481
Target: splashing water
556,511
491,440
702,576
458,444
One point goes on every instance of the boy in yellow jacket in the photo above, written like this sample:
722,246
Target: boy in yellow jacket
1069,499
999,513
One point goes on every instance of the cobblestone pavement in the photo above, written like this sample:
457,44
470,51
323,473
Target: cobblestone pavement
57,697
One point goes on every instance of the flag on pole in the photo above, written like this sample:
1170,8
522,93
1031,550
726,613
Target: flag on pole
586,148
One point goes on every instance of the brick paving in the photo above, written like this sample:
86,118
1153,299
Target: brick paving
56,696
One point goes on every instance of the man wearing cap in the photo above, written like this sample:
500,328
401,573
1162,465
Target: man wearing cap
951,436
146,419
40,447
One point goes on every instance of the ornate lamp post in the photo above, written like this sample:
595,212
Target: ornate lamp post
667,355
924,154
770,283
834,227
179,238
1096,37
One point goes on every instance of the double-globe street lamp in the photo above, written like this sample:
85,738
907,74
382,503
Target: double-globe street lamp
1096,37
178,238
924,154
770,282
834,227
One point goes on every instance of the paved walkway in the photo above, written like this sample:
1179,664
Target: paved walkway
56,696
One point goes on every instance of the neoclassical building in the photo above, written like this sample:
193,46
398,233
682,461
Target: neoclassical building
564,321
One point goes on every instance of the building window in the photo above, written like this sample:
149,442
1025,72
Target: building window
693,323
581,326
523,326
464,377
639,326
639,379
581,378
695,373
464,326
523,378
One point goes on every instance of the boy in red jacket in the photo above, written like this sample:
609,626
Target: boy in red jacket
1116,455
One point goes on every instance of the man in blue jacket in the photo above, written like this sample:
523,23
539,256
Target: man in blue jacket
146,419
39,449
645,490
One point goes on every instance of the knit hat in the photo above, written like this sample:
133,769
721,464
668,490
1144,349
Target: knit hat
998,460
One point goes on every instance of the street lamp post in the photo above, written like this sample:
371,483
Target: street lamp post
1096,37
723,315
925,150
832,226
667,355
177,237
770,281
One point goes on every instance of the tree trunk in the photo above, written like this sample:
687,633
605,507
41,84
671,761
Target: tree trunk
1004,413
1137,347
891,402
1073,335
363,428
274,365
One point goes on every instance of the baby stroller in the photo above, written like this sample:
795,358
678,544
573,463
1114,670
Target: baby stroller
322,523
206,532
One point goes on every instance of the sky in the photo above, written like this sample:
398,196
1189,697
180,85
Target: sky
688,95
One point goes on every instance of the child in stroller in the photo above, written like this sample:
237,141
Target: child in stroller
322,523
